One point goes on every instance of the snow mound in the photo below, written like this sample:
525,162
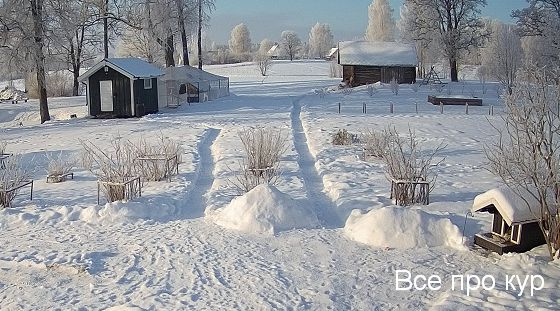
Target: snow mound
265,210
125,212
11,93
402,228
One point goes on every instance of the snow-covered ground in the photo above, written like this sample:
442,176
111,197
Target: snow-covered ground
186,245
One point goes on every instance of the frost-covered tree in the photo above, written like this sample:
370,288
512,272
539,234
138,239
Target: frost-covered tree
291,43
321,40
503,55
539,24
457,24
240,41
381,25
265,46
424,38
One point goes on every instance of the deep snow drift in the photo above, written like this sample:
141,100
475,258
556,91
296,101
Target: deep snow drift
402,228
266,210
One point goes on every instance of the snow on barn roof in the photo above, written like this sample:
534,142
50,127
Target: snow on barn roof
130,67
367,53
510,205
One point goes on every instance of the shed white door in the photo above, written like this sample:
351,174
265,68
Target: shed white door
106,94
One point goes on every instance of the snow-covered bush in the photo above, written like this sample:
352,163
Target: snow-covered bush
371,90
12,175
59,165
321,92
263,149
263,62
395,86
414,87
346,90
406,160
343,137
113,166
3,145
375,143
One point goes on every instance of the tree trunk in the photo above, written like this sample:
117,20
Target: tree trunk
169,51
181,25
37,13
105,29
76,87
199,34
454,71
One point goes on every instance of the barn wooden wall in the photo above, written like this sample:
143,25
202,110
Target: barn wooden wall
362,75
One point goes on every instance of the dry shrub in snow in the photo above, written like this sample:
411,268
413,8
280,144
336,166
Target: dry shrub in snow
395,86
59,84
375,143
263,149
157,161
527,154
335,69
3,145
59,165
12,175
414,87
371,90
406,160
343,137
113,166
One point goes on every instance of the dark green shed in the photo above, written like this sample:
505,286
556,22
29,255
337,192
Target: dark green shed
121,88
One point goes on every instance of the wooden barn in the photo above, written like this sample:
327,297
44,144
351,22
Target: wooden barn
366,62
515,225
121,88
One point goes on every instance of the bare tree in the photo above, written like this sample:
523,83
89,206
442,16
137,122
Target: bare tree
381,25
458,24
321,40
526,157
291,43
263,62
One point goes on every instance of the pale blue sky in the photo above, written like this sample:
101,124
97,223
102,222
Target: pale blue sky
348,18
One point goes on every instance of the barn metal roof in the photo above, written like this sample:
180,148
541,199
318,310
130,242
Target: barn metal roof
370,53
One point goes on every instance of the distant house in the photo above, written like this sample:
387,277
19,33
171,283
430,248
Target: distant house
515,225
366,62
332,54
275,51
122,87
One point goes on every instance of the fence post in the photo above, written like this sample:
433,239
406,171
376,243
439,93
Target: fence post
416,104
392,109
441,107
467,108
491,110
338,108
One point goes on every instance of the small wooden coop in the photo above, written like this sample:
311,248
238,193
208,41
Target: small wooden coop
515,225
121,88
365,62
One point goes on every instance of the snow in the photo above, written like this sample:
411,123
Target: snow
265,210
402,228
164,251
512,207
369,53
130,66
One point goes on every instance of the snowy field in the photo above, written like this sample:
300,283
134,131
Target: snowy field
327,237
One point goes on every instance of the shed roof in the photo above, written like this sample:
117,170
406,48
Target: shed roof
131,67
370,53
509,204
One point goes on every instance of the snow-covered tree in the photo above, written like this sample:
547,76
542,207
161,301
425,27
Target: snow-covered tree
291,43
265,46
240,41
381,25
458,25
503,55
321,40
539,24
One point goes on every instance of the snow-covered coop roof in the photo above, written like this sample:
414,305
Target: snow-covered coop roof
368,53
130,67
509,204
189,74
